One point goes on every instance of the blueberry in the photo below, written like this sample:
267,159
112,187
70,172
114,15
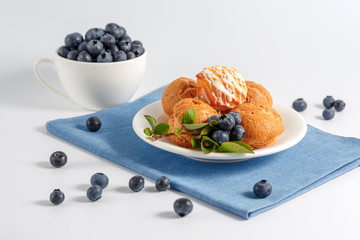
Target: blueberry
58,159
328,113
72,55
63,51
57,197
93,124
94,33
130,55
226,122
113,49
125,37
237,117
108,40
339,105
94,47
94,193
213,117
125,45
262,189
104,57
138,50
136,42
117,31
120,56
84,56
99,179
162,183
183,206
82,47
299,105
237,133
328,101
72,40
136,183
220,136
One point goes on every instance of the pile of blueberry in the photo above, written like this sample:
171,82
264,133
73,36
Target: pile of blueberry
329,103
111,44
227,128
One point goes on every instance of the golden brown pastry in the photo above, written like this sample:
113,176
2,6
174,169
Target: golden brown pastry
177,90
262,124
203,112
257,94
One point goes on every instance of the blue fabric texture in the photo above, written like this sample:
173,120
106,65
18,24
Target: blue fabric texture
318,158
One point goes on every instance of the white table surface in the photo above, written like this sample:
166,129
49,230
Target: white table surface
306,49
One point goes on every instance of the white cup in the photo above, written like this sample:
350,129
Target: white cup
96,86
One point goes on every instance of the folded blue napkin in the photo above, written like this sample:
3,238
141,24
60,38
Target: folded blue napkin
318,158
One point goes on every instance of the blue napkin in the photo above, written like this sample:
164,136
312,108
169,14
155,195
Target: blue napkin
318,158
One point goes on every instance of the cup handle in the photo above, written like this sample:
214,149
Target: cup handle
42,79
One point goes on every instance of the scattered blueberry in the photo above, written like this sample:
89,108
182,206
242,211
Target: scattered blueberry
94,47
99,179
137,49
130,55
84,56
183,206
94,33
93,124
58,159
120,56
162,183
94,193
57,197
104,57
213,117
63,51
117,31
108,40
72,55
136,183
113,49
328,102
82,47
262,189
299,105
220,136
328,113
236,117
339,105
237,133
72,40
125,45
226,122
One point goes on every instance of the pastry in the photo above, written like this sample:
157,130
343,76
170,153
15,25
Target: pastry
257,94
262,124
177,90
203,112
223,88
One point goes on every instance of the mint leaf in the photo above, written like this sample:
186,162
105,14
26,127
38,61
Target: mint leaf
208,145
233,147
195,126
177,131
189,117
151,120
195,144
206,130
161,129
244,145
213,123
147,132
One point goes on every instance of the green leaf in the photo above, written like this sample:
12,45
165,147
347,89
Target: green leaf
161,129
147,132
208,145
195,126
195,143
151,120
244,145
213,123
189,117
233,147
206,130
177,131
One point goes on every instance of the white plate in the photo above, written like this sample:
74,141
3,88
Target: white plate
294,124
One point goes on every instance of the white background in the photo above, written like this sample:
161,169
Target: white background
306,49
